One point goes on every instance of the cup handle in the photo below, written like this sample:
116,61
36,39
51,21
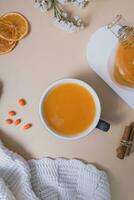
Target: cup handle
103,125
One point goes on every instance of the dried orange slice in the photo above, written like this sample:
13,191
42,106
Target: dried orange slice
7,30
6,46
13,26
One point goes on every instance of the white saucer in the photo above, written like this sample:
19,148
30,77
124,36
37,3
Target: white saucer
100,56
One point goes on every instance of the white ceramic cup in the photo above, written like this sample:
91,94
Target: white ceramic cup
97,123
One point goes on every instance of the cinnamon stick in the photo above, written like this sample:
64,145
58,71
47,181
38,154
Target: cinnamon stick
121,151
126,134
131,138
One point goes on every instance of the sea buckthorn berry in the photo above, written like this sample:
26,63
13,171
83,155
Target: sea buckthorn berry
12,113
9,121
17,122
22,102
27,126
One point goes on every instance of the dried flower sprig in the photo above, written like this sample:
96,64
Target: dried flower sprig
61,18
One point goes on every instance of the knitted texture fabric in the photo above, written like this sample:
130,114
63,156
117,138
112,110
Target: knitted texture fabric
49,179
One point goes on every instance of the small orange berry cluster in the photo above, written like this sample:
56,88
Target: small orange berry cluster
12,113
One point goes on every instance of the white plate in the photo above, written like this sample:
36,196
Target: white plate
100,56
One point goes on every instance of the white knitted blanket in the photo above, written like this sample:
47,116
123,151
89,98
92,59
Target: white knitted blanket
49,179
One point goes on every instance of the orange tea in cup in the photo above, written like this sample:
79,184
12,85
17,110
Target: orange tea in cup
69,109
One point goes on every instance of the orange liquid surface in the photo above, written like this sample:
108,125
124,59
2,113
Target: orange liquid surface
125,62
69,109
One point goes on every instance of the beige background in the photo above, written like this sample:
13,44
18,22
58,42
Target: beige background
48,54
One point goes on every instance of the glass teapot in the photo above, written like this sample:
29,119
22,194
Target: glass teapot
124,59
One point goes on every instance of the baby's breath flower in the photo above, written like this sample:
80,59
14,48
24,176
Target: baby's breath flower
69,26
63,2
78,3
43,5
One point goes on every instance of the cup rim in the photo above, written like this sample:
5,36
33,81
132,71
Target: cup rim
96,100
